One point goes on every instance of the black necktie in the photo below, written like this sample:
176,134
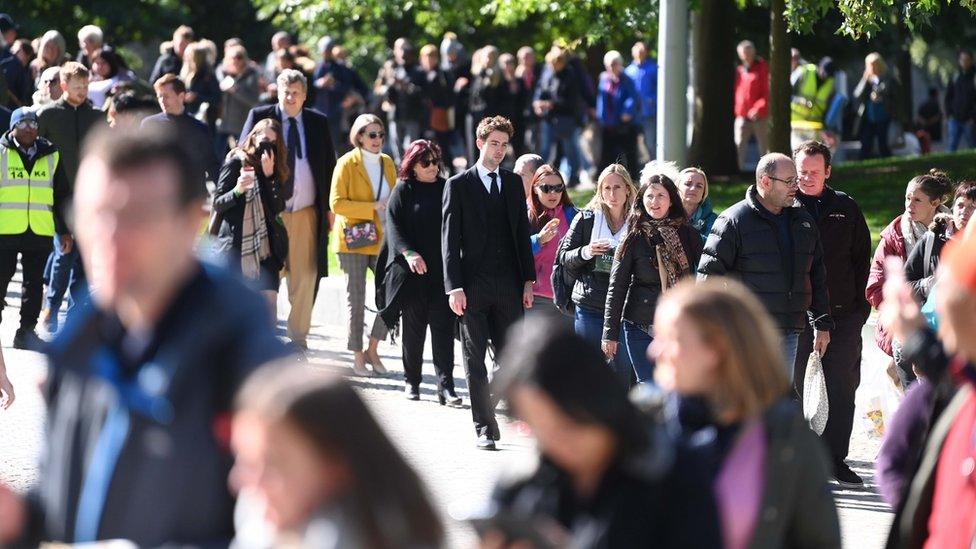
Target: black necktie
494,184
294,142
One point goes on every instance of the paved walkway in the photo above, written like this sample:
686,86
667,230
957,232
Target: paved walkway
438,441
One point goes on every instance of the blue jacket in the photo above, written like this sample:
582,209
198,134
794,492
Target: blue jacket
329,101
570,212
610,107
644,76
703,219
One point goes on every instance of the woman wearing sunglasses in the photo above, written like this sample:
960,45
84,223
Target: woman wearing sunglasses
412,282
550,213
362,182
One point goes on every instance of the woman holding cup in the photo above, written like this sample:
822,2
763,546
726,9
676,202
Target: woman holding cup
587,254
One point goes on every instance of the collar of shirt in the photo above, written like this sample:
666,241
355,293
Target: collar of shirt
30,151
298,119
485,180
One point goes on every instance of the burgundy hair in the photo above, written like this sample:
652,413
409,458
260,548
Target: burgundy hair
538,216
421,149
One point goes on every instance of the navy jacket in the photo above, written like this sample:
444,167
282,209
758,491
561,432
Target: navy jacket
168,484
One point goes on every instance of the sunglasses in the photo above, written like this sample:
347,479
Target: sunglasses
32,124
426,162
549,189
376,135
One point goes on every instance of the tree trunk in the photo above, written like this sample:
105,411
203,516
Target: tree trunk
904,113
712,144
779,79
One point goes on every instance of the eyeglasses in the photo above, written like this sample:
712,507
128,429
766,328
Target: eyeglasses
549,189
426,162
792,182
31,124
376,135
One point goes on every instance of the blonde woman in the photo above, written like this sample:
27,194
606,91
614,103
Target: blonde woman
362,183
586,252
202,87
876,97
693,189
50,53
718,349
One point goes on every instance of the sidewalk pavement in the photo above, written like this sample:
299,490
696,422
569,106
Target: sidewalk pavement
438,441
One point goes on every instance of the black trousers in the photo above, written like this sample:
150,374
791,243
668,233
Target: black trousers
842,372
33,262
494,304
419,312
620,146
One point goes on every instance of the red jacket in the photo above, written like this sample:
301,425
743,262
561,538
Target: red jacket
752,90
892,243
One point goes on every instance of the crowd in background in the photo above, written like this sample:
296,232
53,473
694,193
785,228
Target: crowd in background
712,318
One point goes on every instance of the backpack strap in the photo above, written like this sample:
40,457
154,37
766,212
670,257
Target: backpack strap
929,243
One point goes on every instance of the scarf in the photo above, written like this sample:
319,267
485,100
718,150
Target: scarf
913,231
255,246
672,262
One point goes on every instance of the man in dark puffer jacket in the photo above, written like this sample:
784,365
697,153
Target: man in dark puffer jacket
772,245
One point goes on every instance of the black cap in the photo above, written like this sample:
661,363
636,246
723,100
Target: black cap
7,23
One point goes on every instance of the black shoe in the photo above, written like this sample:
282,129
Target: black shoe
448,397
27,340
845,477
412,392
486,443
494,433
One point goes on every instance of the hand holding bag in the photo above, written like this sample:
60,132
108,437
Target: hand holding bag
365,233
815,405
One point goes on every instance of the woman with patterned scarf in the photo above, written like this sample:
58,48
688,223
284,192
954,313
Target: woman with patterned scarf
660,248
251,192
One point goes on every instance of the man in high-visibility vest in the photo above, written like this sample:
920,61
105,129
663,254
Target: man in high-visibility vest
812,94
32,193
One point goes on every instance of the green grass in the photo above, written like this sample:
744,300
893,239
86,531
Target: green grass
878,185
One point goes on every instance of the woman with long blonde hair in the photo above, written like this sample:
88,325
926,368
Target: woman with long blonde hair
717,348
586,253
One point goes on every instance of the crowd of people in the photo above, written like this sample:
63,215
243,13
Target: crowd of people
658,364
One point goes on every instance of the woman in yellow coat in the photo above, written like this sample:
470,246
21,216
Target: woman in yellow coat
361,186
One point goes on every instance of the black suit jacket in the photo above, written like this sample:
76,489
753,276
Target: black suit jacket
321,158
464,222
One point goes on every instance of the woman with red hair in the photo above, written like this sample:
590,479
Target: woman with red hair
413,281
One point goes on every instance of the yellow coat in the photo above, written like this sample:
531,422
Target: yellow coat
352,198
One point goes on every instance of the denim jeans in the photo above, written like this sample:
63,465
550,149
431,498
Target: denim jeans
66,275
790,342
871,132
566,132
649,131
637,341
958,130
589,324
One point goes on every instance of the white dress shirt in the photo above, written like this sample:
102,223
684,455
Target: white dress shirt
304,193
485,180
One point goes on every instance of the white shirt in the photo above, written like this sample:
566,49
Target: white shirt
485,180
374,169
304,194
601,230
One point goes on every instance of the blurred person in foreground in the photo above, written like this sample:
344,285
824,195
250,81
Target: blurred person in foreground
718,349
587,255
412,279
607,474
929,471
309,482
847,259
142,380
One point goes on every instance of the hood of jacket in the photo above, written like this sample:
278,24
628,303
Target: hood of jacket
752,198
44,147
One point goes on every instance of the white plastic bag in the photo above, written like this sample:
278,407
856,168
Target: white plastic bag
876,400
816,408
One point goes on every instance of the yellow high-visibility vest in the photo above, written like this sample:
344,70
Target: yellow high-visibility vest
27,197
809,105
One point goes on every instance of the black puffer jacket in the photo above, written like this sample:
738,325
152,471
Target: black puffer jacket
590,289
745,243
635,281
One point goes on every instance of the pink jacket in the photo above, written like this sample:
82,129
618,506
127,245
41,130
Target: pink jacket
892,243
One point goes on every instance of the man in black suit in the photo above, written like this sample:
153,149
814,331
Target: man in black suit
311,159
488,263
171,95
